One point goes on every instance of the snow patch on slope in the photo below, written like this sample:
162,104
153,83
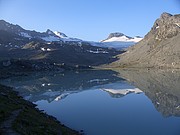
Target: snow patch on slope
51,38
25,35
123,39
97,51
60,34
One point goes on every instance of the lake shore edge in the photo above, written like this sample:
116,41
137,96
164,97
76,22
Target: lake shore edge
19,116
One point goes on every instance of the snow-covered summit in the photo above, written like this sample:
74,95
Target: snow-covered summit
117,34
120,37
60,34
118,40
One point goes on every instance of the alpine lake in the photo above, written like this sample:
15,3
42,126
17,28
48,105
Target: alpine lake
105,102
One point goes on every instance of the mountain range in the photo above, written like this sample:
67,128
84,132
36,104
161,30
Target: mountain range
48,50
51,50
47,36
115,40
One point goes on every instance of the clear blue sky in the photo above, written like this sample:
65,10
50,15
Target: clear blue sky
87,19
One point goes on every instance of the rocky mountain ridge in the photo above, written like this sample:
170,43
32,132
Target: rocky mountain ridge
160,48
48,36
20,36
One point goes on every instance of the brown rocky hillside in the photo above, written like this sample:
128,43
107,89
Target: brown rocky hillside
159,48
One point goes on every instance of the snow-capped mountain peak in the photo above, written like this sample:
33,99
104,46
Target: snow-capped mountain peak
120,37
112,39
118,40
50,32
117,34
60,34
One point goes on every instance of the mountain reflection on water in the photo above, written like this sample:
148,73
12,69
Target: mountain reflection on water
103,102
55,86
162,87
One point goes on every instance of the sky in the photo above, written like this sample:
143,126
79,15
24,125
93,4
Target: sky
91,20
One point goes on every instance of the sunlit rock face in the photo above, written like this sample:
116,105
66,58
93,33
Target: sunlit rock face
160,86
160,48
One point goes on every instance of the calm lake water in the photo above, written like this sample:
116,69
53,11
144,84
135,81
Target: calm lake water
107,102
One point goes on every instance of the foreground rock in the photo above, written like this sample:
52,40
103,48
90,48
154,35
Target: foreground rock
18,116
160,47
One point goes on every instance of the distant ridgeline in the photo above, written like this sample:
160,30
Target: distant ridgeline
30,50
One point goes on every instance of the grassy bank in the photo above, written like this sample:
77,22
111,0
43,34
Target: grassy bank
22,117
